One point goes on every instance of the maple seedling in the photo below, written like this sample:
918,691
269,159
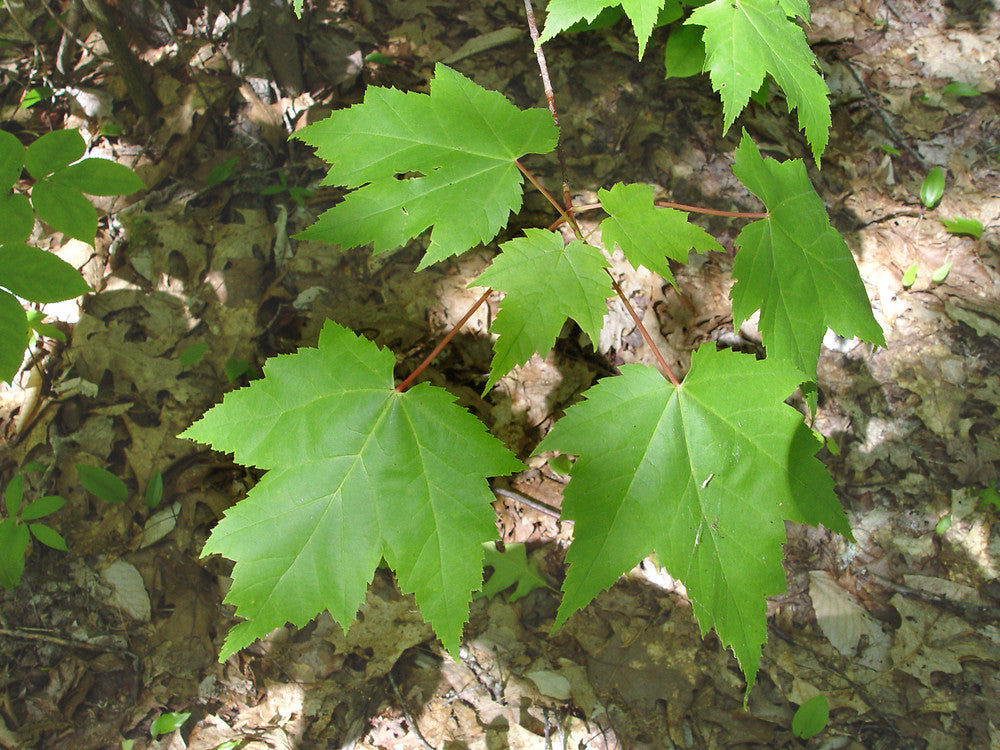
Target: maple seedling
702,471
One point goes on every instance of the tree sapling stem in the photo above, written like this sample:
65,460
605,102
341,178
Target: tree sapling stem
664,367
443,342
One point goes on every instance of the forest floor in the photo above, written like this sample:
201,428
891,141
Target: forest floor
900,628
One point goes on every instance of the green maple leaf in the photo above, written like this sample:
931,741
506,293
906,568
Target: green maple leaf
561,14
795,266
445,160
704,476
356,472
509,567
648,235
748,39
546,282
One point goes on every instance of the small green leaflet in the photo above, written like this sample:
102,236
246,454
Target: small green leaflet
649,235
811,717
509,567
561,14
749,39
971,227
704,476
455,150
356,472
794,266
546,282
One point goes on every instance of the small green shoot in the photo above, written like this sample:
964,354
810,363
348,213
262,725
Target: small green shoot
909,276
560,464
168,722
941,273
36,95
943,525
685,53
221,172
958,88
969,227
377,58
35,318
760,95
236,368
891,150
101,483
932,188
811,717
193,353
990,496
20,525
154,490
297,194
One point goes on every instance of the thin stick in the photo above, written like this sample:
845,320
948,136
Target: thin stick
689,209
43,638
523,499
566,216
406,714
550,99
645,334
714,211
443,343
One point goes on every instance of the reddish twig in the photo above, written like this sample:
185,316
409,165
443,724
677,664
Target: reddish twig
690,209
714,211
642,329
443,343
550,99
563,213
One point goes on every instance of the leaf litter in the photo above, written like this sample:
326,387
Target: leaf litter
915,423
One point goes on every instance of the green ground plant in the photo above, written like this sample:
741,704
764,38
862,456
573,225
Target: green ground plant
22,522
61,179
702,472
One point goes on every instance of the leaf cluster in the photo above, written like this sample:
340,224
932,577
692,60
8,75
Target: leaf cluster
20,525
704,473
61,178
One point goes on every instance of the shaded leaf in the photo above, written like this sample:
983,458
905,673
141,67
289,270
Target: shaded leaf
560,15
747,40
811,717
65,210
455,149
941,273
958,88
356,471
648,234
13,335
101,483
794,266
11,160
193,353
510,567
53,151
222,172
170,722
546,281
16,218
932,188
99,177
13,493
970,227
48,536
704,476
39,276
42,507
685,53
13,545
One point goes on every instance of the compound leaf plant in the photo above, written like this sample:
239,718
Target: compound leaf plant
703,472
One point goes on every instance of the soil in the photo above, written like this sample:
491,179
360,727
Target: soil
897,627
